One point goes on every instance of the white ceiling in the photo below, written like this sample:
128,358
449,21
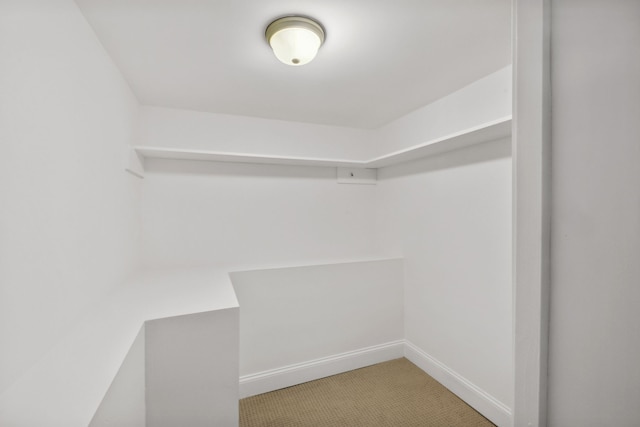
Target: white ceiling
381,59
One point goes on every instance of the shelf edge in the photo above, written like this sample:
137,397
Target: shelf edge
489,131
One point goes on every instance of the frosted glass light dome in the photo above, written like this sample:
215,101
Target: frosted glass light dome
295,40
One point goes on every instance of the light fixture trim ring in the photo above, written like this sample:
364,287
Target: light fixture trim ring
295,21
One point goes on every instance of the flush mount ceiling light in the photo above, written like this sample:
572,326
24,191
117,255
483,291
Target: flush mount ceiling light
295,40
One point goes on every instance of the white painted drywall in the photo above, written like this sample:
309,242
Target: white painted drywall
594,373
485,100
240,216
179,369
295,315
174,128
66,386
68,221
124,404
449,216
192,370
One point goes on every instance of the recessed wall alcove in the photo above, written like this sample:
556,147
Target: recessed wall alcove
332,275
365,197
242,253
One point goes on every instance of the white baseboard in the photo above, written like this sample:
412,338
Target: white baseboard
481,401
275,379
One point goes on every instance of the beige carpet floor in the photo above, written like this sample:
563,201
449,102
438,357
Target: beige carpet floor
395,393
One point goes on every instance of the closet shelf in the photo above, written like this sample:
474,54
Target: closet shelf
489,131
496,129
219,156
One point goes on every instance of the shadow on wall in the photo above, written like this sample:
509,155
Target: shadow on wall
194,167
479,153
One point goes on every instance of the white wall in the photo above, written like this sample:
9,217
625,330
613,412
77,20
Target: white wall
450,217
238,216
594,378
483,101
67,219
300,315
124,404
68,222
180,369
66,386
183,129
192,370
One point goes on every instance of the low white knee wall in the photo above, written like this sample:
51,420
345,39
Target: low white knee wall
302,323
